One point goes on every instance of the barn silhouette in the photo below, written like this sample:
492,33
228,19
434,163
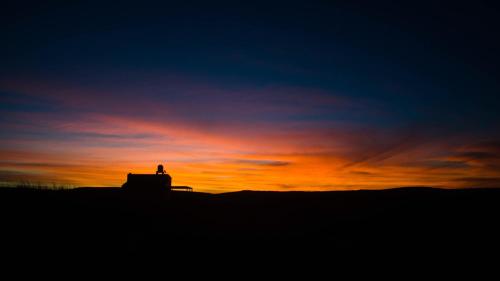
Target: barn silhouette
152,182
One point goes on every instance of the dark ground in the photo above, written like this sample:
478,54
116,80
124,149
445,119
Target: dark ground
113,222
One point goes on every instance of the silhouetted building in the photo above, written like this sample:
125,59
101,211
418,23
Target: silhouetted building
148,182
160,170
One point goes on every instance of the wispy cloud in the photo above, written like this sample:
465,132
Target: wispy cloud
221,139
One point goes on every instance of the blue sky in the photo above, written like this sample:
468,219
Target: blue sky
249,84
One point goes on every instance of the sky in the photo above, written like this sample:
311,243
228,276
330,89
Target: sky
257,95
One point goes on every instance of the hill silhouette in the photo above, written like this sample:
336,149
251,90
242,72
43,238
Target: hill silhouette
107,220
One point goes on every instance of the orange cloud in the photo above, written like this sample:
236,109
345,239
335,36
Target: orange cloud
231,152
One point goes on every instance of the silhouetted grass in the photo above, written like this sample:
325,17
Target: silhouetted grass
39,186
115,221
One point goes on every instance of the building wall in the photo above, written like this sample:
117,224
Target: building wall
146,181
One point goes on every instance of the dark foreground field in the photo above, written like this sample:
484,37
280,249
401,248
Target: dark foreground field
102,222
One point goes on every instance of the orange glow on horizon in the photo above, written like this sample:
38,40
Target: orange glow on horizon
97,149
222,162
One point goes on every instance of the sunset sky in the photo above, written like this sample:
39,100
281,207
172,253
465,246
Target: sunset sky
281,96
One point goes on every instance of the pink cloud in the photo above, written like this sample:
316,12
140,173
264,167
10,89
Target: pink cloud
213,139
